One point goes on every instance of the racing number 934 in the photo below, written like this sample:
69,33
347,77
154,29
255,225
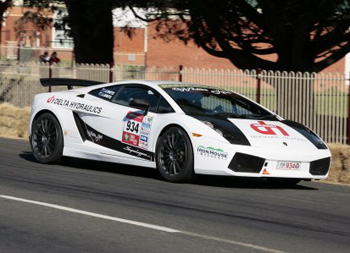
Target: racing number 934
132,126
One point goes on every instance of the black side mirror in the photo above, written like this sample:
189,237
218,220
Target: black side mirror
141,104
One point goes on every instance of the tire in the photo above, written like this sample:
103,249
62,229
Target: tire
174,156
46,139
283,182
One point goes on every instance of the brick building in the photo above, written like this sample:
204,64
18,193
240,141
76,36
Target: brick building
143,49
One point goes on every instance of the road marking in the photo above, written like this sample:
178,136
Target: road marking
141,224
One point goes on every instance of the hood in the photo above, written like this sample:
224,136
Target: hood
277,134
264,133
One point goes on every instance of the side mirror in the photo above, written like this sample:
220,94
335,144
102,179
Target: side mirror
141,104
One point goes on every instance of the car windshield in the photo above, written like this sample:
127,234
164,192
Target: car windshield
202,100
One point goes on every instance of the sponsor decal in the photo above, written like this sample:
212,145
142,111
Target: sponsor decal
105,93
145,133
132,128
137,129
130,138
135,116
268,129
212,152
265,172
143,145
50,99
165,86
200,89
145,126
74,105
144,138
189,89
219,92
96,137
137,152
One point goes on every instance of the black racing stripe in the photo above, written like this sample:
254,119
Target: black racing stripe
307,133
90,134
229,130
80,125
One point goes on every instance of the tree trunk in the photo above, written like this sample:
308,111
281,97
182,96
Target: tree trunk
4,5
91,25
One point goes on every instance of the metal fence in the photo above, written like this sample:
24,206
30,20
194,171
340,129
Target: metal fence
320,101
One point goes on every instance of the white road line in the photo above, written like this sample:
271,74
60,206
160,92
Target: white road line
141,224
100,216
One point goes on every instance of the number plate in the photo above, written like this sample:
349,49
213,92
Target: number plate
288,165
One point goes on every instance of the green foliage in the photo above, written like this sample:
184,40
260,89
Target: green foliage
292,35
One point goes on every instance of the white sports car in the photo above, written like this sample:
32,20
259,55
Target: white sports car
179,128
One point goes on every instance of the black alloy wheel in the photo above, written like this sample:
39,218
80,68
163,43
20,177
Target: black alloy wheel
174,155
46,139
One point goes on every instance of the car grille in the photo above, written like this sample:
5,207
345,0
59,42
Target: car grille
320,167
246,163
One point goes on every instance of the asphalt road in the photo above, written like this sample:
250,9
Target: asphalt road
86,206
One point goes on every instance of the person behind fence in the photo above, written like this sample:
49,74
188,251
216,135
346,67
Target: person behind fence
44,57
54,58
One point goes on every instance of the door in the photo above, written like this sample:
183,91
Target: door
121,128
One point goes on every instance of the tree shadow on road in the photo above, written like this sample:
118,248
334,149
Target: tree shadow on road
149,173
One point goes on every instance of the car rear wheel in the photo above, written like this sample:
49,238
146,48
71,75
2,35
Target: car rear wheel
174,155
47,139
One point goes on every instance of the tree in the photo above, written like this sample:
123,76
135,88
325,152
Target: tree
90,25
292,35
4,5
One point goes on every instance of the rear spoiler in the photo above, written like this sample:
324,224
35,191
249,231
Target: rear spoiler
48,82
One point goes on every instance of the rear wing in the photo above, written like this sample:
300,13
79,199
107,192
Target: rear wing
48,82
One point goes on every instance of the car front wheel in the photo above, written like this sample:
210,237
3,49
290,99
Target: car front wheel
174,155
46,139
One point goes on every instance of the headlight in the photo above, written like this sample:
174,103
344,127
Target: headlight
228,130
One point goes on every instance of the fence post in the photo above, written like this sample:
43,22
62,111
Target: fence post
348,127
258,85
180,73
111,72
50,74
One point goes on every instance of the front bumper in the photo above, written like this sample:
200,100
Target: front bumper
247,161
243,163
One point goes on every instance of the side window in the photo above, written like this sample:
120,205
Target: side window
164,106
105,93
129,93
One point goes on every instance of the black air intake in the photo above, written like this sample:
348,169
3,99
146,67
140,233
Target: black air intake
320,167
246,163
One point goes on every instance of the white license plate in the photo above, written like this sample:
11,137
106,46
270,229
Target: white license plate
288,165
